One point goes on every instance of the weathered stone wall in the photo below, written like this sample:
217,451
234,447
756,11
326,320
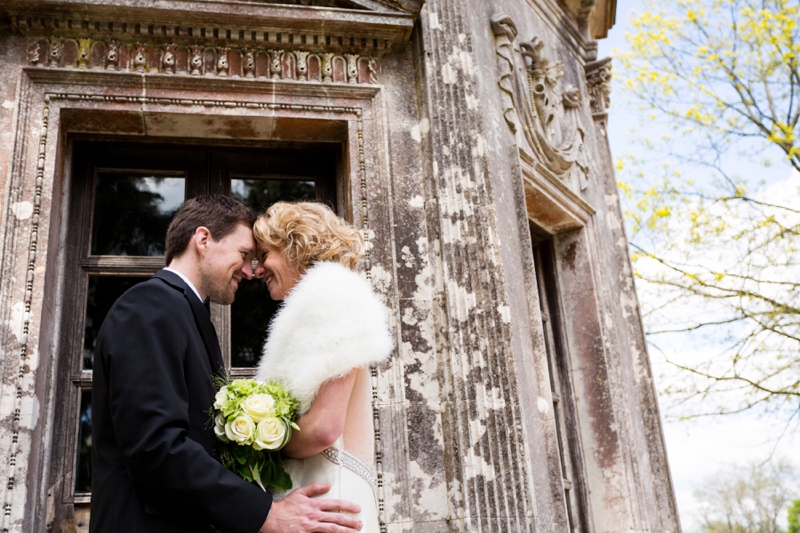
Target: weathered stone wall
446,161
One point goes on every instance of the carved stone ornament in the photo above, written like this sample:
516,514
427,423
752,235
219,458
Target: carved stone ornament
84,52
112,55
168,59
140,57
33,53
55,51
222,61
255,63
538,103
598,78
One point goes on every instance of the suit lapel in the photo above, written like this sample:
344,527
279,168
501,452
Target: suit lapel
202,318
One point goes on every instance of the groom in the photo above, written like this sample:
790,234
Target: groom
152,465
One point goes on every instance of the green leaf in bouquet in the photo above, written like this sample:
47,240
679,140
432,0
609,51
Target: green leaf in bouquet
240,454
255,470
244,471
282,480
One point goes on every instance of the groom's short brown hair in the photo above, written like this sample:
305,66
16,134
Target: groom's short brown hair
216,212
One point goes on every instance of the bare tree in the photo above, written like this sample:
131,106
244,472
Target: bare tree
715,259
751,499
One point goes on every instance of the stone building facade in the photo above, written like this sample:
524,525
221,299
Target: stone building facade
465,137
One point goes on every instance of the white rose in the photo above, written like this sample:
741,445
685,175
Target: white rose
271,434
258,406
240,430
219,428
221,397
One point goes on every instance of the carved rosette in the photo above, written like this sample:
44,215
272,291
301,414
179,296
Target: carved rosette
598,79
537,102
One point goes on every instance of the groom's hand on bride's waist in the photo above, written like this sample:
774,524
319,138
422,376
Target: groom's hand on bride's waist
299,512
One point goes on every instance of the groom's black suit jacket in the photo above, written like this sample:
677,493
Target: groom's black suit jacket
152,465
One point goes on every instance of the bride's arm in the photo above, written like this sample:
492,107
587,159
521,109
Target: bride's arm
324,422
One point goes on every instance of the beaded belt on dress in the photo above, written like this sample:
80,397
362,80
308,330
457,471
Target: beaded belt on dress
354,464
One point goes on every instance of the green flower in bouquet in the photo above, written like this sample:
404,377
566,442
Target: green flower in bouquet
254,420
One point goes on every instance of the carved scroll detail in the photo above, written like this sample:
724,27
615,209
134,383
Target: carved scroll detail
33,53
352,68
249,63
140,58
275,64
537,103
197,60
168,59
327,68
222,62
598,78
302,65
84,52
56,45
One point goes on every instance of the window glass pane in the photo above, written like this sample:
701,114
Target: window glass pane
253,307
260,193
83,470
132,212
103,292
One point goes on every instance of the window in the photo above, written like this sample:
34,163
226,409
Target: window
560,384
123,196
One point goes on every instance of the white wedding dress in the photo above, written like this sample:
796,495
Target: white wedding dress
331,323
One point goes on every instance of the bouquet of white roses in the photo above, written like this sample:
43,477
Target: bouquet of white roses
253,421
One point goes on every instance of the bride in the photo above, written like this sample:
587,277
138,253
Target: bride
331,327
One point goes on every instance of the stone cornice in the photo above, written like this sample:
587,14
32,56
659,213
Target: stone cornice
593,17
602,18
221,23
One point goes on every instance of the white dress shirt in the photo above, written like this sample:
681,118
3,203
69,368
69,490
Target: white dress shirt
184,278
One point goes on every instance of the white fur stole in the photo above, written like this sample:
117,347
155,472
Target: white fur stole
330,323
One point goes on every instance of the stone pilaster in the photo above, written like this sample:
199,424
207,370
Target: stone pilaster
486,464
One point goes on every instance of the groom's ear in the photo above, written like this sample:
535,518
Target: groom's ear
200,240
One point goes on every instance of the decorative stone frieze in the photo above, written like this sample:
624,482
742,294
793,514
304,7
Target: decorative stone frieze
221,61
598,79
538,106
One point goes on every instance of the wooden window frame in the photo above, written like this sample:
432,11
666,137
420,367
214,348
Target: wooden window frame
211,173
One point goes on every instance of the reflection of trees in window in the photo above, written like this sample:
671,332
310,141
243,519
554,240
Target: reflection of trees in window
83,475
253,308
262,193
132,213
101,294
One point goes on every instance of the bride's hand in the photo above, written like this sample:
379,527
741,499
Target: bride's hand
300,513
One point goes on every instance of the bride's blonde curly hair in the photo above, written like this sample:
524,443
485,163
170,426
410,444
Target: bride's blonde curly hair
309,232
